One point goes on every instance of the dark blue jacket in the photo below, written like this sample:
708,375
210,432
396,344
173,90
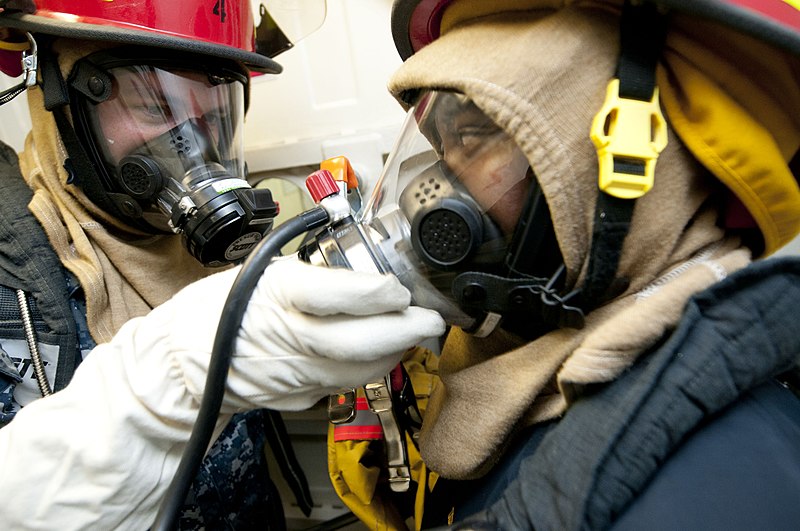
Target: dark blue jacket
702,433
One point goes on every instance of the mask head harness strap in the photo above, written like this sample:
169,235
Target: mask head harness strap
82,172
629,132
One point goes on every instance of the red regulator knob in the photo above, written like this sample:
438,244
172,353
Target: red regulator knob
321,184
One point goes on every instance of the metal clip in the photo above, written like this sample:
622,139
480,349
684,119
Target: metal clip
379,399
629,135
30,62
342,406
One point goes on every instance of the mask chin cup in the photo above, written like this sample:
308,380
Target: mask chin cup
478,292
446,233
140,177
448,230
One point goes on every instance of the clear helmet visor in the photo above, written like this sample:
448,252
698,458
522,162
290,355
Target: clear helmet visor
286,22
448,199
163,132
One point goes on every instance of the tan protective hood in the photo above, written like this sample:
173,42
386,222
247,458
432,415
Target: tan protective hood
541,75
123,271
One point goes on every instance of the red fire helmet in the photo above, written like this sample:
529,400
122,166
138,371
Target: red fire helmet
416,23
218,28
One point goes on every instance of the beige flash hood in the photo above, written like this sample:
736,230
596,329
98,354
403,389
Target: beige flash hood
541,75
123,271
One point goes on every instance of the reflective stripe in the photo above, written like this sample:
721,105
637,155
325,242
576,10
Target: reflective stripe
365,426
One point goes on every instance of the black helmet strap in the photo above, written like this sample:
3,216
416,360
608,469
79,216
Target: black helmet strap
642,32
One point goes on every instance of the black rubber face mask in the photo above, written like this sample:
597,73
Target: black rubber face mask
458,217
167,144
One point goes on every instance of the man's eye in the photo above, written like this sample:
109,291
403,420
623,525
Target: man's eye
472,138
157,110
214,119
153,111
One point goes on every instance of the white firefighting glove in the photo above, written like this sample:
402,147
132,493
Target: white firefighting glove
307,331
100,453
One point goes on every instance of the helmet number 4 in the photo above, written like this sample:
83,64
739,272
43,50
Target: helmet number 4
219,10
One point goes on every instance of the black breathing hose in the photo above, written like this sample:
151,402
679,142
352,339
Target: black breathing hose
224,344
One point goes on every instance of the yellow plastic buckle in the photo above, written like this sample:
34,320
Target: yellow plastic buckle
629,135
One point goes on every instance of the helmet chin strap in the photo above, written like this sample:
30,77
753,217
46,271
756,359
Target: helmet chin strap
629,133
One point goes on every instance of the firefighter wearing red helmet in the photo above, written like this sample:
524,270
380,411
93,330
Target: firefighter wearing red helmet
625,358
120,221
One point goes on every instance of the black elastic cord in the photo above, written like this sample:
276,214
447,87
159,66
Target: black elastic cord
224,346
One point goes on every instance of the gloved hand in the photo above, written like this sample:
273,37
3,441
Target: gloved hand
307,331
100,452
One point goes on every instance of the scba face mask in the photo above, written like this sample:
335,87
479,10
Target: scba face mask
458,216
166,141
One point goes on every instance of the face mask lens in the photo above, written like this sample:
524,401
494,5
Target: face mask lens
148,101
160,127
475,157
486,163
448,199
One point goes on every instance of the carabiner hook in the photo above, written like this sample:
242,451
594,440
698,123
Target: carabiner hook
30,62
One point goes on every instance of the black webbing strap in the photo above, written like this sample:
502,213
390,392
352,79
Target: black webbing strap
81,171
642,31
280,443
612,220
54,88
